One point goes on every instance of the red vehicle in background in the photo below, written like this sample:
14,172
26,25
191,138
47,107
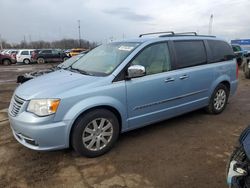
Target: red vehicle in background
6,59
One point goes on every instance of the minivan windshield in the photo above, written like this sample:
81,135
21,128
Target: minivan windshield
103,60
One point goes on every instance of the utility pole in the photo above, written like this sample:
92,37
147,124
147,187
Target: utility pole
210,24
1,42
79,30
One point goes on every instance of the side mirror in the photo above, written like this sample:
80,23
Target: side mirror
135,71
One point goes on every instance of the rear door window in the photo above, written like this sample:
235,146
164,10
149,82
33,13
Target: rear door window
220,50
190,53
46,52
24,53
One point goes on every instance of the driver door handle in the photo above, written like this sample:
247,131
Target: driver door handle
169,80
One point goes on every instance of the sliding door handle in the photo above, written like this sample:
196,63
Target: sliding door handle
183,77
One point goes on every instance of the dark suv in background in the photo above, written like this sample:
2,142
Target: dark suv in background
239,53
48,55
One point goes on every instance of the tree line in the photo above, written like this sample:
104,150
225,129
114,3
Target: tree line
61,44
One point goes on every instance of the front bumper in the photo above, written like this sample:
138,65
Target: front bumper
235,176
39,133
233,87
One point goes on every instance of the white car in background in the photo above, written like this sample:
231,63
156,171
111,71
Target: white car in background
24,56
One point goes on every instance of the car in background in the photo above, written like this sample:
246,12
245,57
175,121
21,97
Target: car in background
24,56
238,168
67,51
246,63
48,55
6,59
239,53
66,64
12,53
3,51
76,51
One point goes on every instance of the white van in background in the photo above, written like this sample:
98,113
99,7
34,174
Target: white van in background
24,56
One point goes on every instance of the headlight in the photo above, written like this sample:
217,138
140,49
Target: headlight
43,107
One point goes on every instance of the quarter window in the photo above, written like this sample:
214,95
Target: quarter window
221,51
190,53
154,58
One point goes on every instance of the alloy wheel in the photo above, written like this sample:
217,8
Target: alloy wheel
97,134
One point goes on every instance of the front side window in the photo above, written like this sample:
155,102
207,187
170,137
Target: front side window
154,58
221,51
103,60
190,53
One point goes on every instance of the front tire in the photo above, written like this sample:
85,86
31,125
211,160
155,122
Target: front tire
95,133
218,100
65,58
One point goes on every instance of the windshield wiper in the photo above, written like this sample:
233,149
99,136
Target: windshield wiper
80,71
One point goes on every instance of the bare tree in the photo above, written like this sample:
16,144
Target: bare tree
61,44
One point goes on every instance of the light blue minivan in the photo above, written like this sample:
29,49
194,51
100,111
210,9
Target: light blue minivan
121,86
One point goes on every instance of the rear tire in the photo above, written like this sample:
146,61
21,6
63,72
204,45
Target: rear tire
95,133
6,62
218,100
40,60
26,61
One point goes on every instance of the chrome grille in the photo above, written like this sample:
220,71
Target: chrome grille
16,105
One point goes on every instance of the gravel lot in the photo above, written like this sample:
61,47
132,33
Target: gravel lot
188,151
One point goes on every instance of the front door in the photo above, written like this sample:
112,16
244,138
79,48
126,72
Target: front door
154,96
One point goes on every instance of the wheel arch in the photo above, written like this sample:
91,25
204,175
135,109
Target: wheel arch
106,107
227,84
225,80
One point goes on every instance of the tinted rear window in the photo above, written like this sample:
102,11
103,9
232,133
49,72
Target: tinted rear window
221,51
46,52
190,53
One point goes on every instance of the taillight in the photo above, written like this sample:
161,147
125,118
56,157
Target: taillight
237,70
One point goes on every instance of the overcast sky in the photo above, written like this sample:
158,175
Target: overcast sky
101,20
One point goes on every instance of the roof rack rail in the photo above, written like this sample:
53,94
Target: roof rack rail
187,33
170,33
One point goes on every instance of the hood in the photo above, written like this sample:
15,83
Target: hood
55,83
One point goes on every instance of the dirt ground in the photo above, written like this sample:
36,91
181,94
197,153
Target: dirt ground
188,151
